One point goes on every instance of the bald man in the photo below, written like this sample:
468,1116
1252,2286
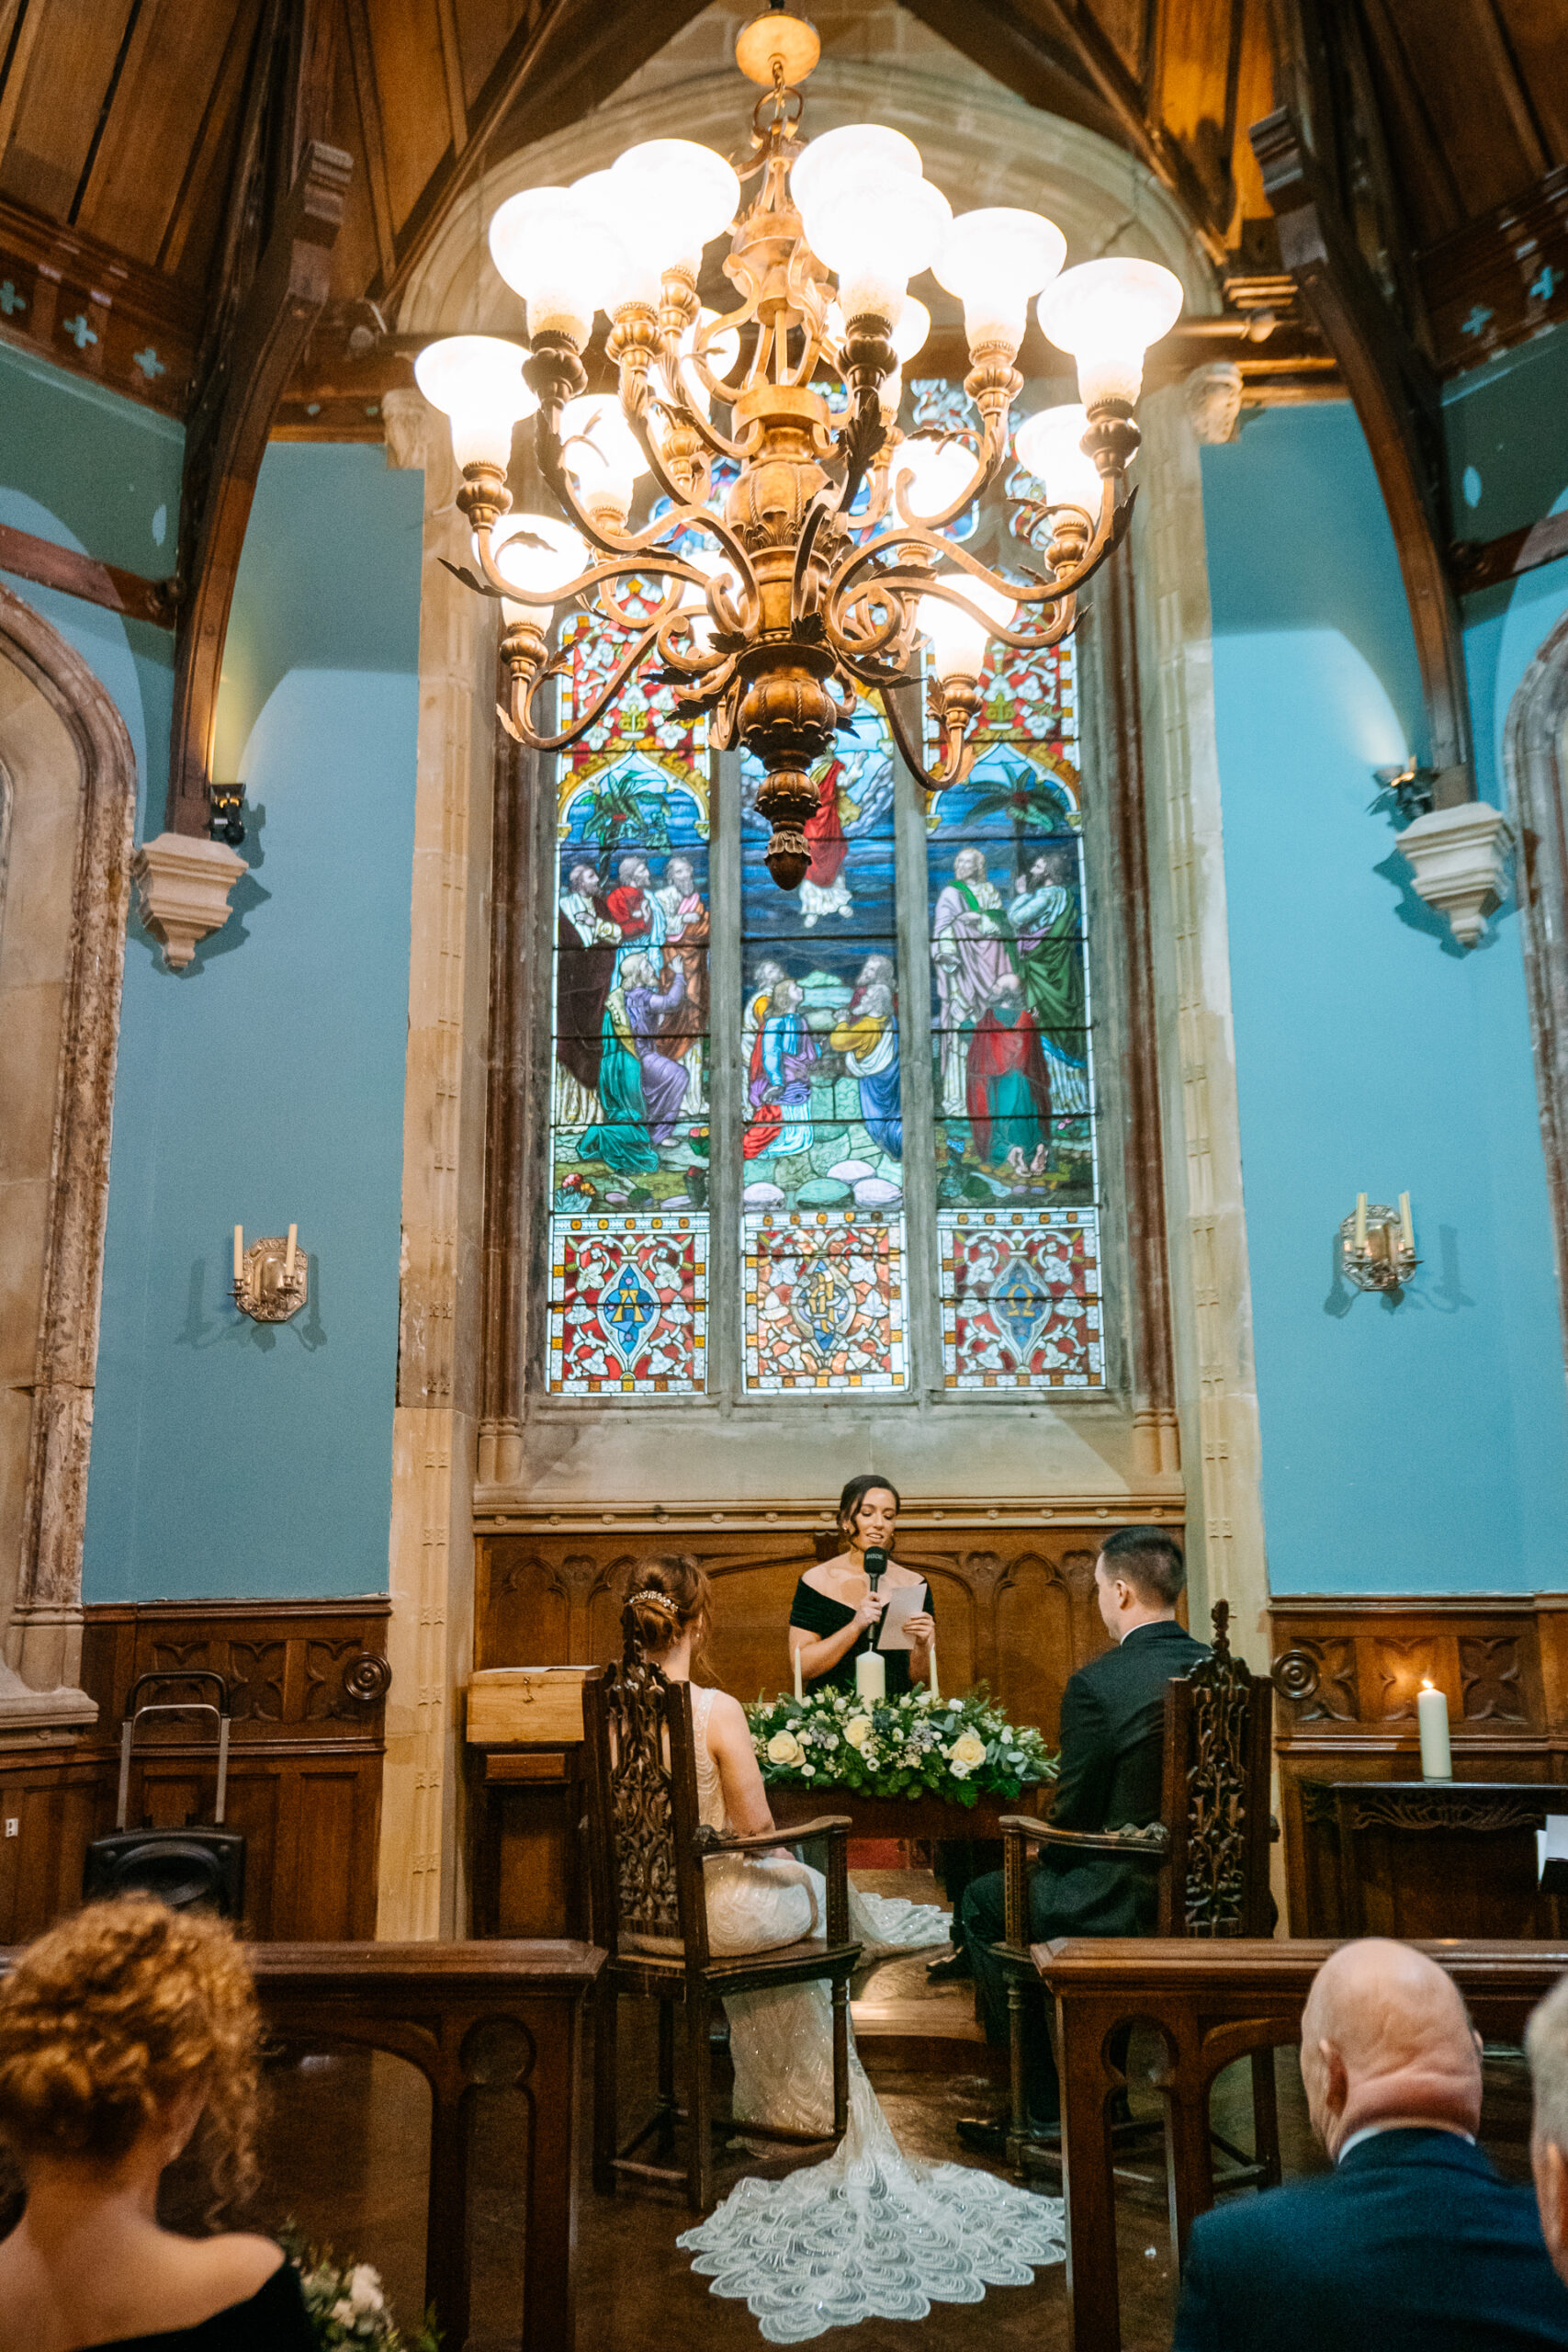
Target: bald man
1411,2244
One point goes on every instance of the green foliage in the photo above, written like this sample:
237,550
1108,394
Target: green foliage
620,814
347,2305
957,1749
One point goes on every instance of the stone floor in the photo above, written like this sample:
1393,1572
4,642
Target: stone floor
347,2134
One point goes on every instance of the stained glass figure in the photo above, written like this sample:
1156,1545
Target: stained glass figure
1011,1033
822,1129
630,1107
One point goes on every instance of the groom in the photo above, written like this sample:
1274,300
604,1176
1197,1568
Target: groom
1112,1738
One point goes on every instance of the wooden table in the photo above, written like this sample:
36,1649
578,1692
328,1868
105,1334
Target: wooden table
932,1817
466,2015
1213,2003
1446,1817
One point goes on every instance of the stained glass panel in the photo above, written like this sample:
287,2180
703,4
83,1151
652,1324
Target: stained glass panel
822,1134
1012,1042
630,1105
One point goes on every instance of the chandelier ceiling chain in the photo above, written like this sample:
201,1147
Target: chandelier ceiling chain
829,559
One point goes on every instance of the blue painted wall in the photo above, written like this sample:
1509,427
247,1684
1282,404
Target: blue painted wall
1422,1446
264,1086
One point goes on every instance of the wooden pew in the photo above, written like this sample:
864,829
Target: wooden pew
1212,2003
466,2015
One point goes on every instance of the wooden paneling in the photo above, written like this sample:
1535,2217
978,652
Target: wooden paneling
80,305
304,1774
1348,1673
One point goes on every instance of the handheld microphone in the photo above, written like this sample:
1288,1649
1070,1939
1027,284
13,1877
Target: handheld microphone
875,1561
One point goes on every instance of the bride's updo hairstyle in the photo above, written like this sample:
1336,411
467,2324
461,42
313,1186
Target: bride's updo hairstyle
855,1493
660,1596
108,2018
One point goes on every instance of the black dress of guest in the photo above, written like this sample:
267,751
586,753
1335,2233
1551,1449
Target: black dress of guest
272,2320
819,1614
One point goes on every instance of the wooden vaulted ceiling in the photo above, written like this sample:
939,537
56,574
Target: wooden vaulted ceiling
123,124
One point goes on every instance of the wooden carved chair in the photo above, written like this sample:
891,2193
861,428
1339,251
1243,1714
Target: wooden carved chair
647,1849
1210,1849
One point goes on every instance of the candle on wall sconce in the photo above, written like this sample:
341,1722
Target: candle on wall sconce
271,1278
1432,1714
1376,1244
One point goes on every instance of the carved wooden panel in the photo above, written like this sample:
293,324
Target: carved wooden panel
1347,1672
308,1686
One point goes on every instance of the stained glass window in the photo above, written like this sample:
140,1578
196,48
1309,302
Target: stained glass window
822,1130
1016,1189
628,1144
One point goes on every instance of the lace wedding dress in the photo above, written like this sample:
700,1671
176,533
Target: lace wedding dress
868,2234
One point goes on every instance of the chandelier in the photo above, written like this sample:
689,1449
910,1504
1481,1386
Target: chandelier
818,562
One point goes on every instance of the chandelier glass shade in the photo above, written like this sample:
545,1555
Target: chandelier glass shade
822,565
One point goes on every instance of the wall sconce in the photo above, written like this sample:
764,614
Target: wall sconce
270,1282
1377,1245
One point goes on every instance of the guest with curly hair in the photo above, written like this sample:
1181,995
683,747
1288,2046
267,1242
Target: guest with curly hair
120,2031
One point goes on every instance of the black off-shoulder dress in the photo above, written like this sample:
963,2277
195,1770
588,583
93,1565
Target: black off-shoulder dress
819,1614
272,2320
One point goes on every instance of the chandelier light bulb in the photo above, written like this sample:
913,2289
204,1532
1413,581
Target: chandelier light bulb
602,452
477,381
933,474
958,644
994,260
538,552
635,276
859,146
681,194
1050,446
1107,314
553,249
877,235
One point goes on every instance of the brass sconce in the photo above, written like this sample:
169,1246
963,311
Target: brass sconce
1377,1245
270,1282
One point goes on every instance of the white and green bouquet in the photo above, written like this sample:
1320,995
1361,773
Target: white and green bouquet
959,1750
347,2303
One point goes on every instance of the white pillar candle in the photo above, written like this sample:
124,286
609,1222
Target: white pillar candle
239,1252
932,1685
1437,1757
1360,1220
799,1692
288,1254
1406,1229
871,1678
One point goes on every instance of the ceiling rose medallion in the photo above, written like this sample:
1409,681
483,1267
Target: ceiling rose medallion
825,569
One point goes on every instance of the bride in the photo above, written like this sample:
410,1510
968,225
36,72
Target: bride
868,2234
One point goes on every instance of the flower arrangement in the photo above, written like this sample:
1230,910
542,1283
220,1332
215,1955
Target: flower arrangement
956,1748
347,2303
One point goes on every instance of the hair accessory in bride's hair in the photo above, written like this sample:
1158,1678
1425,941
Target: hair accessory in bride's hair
651,1599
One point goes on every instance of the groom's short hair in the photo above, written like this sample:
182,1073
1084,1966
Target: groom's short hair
1150,1560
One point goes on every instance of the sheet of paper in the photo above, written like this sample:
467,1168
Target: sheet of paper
1552,1846
903,1600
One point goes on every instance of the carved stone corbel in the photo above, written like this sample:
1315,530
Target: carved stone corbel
1459,857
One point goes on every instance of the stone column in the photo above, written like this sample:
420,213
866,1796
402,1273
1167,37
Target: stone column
435,1425
1216,1385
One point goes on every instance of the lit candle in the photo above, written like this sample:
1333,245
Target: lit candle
239,1252
799,1694
1360,1220
1406,1229
871,1678
1437,1757
288,1254
932,1685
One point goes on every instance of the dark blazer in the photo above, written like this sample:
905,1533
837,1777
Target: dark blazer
1413,2243
1113,1741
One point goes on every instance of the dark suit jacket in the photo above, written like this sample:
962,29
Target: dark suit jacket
1412,2244
1112,1737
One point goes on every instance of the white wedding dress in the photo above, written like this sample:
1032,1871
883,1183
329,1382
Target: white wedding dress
868,2234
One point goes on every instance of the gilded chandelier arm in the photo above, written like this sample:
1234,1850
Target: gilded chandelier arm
958,756
988,465
524,649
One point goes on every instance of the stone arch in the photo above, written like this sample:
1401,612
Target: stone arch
71,778
1535,761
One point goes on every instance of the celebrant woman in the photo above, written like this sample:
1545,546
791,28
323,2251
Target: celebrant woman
870,2234
835,1614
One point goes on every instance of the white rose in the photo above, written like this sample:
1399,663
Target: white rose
968,1749
954,1705
857,1731
342,2311
364,2289
783,1749
960,1772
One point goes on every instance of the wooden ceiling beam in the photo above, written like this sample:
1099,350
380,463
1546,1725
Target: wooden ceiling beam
1395,397
1066,41
372,133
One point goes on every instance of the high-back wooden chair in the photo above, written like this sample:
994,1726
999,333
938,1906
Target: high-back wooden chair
646,1851
1209,1848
